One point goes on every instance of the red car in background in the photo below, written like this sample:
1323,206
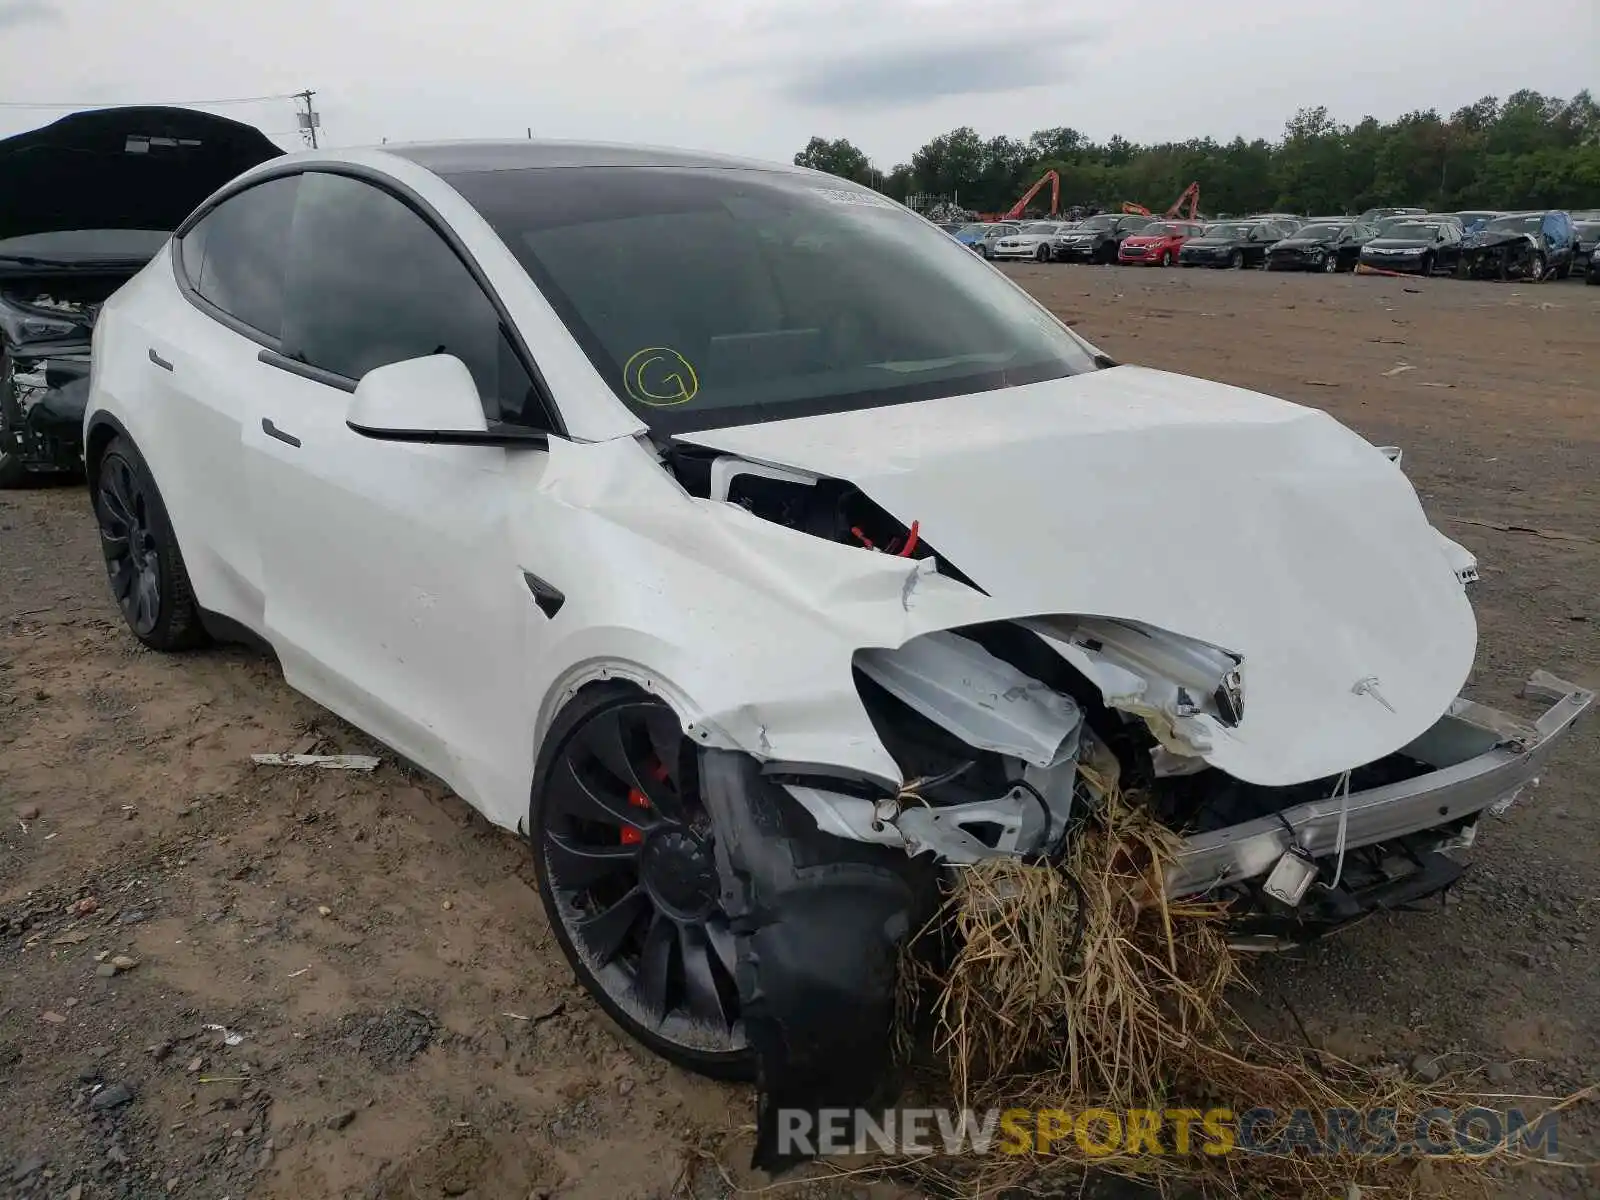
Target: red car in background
1156,245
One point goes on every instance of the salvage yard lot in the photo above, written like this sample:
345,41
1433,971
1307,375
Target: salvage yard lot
409,1026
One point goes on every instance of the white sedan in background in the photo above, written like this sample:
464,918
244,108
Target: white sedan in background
689,515
1036,240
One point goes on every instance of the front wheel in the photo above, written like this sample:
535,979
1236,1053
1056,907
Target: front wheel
1236,260
1042,254
148,578
625,857
1536,268
1427,265
1331,264
1166,258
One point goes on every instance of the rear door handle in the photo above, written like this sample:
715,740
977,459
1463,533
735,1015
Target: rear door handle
159,361
272,431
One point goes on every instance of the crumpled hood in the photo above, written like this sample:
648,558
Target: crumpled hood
1248,522
1499,237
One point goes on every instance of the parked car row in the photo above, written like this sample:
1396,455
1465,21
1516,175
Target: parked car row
1475,244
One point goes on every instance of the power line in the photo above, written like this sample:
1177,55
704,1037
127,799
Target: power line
39,104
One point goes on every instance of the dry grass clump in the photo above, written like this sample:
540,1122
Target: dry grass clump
1078,985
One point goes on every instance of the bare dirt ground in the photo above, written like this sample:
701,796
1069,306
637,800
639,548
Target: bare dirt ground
404,1025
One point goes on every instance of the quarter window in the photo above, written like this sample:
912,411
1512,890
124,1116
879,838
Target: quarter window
372,283
234,256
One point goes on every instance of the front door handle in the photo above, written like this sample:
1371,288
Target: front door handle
272,431
159,361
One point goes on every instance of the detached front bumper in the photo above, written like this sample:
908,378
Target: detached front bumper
1483,759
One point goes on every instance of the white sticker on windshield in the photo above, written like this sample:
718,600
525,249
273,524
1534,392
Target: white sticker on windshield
849,196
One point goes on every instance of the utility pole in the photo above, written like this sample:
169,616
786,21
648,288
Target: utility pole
311,120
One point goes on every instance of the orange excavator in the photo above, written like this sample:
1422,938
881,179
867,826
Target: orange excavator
1021,206
1190,196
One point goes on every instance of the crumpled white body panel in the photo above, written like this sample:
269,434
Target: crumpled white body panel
1245,521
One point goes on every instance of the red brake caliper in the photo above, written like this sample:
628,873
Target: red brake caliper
630,835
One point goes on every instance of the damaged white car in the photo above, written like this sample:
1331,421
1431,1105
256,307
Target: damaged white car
762,556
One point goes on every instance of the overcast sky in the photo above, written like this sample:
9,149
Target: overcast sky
759,77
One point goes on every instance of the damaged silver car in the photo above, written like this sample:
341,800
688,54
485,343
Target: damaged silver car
765,558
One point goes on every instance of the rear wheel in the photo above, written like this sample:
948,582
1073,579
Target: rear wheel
148,578
624,853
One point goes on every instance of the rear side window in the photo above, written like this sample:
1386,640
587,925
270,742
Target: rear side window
235,256
372,283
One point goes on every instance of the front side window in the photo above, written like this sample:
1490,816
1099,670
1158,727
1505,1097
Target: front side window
371,283
710,298
234,256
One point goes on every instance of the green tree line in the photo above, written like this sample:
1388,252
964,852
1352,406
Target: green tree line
1528,151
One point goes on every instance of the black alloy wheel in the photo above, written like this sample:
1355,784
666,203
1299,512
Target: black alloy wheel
148,578
1236,260
1331,263
626,862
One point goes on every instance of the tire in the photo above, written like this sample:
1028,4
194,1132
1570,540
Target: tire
1166,258
1330,265
143,562
623,855
1536,268
1236,261
1042,254
1426,270
1591,277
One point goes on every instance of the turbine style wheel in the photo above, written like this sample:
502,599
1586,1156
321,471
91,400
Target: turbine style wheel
625,854
148,578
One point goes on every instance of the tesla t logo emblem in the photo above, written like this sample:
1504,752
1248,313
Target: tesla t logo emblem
1367,685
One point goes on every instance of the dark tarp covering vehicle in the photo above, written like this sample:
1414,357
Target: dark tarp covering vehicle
1328,246
87,201
1528,245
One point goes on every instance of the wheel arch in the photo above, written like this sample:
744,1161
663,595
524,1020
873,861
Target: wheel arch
101,430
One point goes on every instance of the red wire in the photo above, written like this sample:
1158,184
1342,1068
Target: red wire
911,541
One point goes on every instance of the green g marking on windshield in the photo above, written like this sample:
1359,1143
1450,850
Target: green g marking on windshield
660,377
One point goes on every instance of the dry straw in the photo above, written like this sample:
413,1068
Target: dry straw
1078,985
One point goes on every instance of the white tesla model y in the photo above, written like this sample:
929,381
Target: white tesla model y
762,556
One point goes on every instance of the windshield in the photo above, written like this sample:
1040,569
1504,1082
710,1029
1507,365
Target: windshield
1320,233
1159,229
1226,231
1411,229
1103,221
975,228
1040,227
85,245
708,298
1525,224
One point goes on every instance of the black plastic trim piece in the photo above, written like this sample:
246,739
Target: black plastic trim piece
844,780
272,431
498,434
391,185
294,366
547,597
